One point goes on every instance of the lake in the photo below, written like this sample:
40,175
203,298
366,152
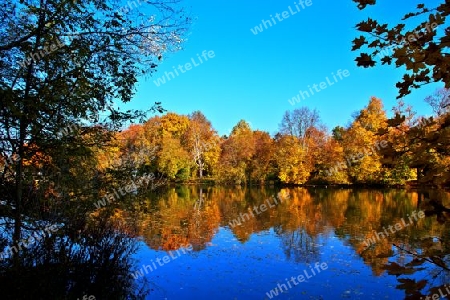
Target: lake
292,243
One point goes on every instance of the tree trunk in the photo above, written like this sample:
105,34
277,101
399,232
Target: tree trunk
18,204
201,166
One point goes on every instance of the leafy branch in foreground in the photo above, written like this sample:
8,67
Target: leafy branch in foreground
61,63
423,49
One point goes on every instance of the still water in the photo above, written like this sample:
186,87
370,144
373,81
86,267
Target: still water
293,243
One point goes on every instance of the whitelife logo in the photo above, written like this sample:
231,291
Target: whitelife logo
397,227
353,159
389,50
279,289
263,207
284,15
440,295
322,85
132,187
187,66
161,261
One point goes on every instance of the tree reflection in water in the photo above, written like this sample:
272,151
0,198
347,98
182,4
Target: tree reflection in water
94,258
299,245
308,220
96,261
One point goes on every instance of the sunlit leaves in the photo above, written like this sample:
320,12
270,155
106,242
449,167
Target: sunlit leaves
173,159
422,144
237,151
262,164
290,158
202,143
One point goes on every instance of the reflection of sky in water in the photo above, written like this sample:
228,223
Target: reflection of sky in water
228,269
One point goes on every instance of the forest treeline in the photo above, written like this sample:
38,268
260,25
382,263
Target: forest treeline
373,149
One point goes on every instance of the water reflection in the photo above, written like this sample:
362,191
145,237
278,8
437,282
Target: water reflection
94,262
417,254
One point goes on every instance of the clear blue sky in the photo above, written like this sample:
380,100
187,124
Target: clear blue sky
252,76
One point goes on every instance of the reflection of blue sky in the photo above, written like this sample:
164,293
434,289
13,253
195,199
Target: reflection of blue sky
229,269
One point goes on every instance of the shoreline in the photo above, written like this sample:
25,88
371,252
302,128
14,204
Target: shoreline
212,182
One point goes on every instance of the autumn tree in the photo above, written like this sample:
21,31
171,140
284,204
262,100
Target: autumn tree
362,144
289,157
66,62
152,141
173,157
395,157
301,125
262,164
237,151
202,141
338,132
422,50
424,146
330,164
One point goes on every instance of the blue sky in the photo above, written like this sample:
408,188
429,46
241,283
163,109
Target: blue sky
251,77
